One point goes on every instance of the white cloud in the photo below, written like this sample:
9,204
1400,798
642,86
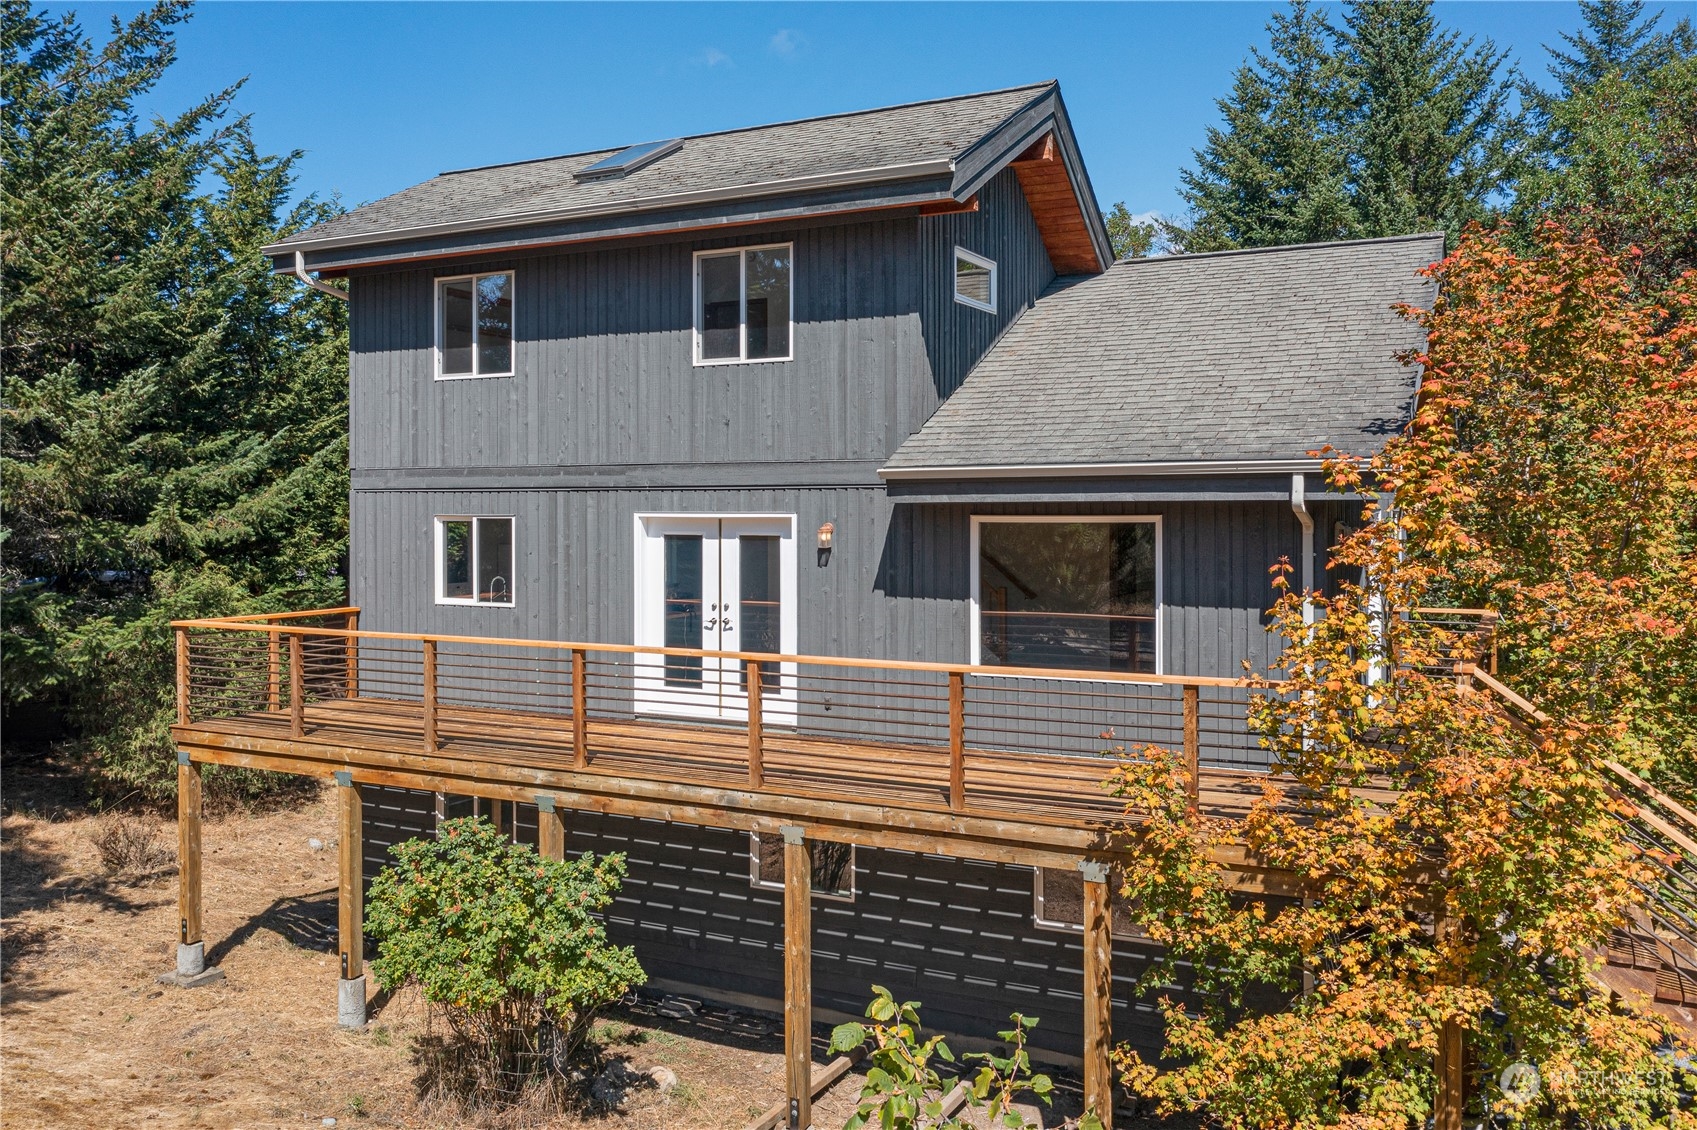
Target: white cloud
714,57
786,42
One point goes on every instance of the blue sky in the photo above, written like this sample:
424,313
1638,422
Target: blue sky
381,96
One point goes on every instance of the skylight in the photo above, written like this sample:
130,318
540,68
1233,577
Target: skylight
629,160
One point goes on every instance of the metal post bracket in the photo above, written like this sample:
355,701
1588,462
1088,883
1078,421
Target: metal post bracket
544,803
344,777
792,833
182,757
1095,871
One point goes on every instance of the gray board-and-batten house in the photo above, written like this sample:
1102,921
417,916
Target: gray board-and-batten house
867,385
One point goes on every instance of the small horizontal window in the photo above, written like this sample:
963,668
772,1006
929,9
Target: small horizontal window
474,326
1058,903
743,307
975,280
833,866
474,561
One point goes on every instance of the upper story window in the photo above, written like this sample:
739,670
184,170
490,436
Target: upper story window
1080,593
474,326
474,561
743,306
975,280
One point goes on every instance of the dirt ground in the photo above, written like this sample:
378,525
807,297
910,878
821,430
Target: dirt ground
88,1038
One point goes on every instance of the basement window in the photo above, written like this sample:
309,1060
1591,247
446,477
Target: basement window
474,561
744,304
474,326
1057,898
975,280
833,866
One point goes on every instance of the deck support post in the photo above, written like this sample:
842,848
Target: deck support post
1192,747
756,728
350,904
431,743
957,741
1098,993
297,687
550,829
1446,1110
580,708
353,655
191,947
273,671
798,976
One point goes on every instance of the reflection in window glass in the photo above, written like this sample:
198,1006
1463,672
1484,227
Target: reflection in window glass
684,594
833,865
769,302
975,281
1075,595
456,560
495,324
758,604
744,304
1059,897
721,306
477,560
476,318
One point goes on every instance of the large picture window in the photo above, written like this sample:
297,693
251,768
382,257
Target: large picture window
474,326
743,305
1070,593
474,561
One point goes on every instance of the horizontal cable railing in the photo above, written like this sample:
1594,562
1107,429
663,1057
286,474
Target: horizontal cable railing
942,730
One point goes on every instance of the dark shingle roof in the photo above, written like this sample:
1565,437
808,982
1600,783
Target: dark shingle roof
919,132
1238,356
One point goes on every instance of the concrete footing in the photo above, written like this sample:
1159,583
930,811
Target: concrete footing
350,1002
192,971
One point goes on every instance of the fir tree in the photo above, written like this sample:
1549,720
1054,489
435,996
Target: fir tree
174,415
1275,171
1616,39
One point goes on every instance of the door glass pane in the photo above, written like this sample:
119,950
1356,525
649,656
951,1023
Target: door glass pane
495,560
456,560
495,324
682,609
1067,594
456,327
721,305
769,302
758,604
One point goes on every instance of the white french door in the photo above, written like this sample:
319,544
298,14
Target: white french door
716,583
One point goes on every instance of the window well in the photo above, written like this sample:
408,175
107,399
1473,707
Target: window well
629,160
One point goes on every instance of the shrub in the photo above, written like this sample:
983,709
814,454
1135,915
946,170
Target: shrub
503,944
130,845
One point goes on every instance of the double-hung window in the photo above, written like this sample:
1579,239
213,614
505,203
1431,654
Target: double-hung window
474,561
743,307
1079,593
474,326
975,280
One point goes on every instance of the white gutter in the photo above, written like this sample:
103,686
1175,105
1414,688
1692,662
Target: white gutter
1299,507
300,273
1101,470
811,182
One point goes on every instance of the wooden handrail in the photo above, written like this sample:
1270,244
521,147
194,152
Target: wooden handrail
255,617
1146,679
1472,670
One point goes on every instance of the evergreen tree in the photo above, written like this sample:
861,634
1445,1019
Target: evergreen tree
1616,40
1275,171
1432,134
174,416
1130,237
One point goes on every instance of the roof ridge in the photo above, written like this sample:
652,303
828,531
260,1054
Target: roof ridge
763,125
1189,256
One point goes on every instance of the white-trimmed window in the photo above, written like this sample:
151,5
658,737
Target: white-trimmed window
474,326
1081,593
833,866
744,304
474,560
975,280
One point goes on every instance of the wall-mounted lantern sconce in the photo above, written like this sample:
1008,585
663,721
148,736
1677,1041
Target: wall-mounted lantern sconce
827,533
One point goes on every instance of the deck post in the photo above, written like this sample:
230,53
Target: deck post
1192,746
1098,993
353,655
273,671
191,947
297,688
580,708
550,829
182,677
957,741
1446,1109
756,728
350,904
430,742
798,976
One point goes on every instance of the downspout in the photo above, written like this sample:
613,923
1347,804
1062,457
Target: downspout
1299,507
300,273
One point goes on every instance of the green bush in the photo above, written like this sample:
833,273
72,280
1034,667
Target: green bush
504,945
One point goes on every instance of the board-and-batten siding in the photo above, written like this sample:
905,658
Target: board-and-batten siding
603,356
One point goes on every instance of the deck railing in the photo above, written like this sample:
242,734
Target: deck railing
539,698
